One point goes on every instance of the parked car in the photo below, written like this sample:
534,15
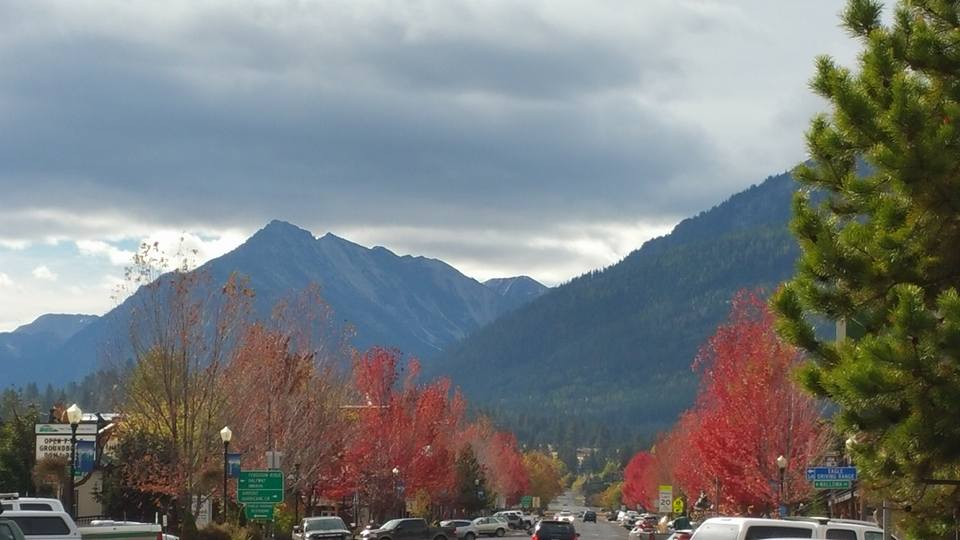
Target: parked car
612,515
590,515
514,518
9,530
491,525
322,528
462,528
741,528
408,529
681,535
53,525
554,530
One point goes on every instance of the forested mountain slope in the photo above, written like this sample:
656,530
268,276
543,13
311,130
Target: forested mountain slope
608,354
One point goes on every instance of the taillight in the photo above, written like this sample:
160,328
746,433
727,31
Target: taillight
534,537
160,535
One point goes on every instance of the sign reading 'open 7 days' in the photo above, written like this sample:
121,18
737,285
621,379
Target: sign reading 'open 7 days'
260,487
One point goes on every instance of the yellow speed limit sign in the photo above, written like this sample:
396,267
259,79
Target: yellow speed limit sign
678,506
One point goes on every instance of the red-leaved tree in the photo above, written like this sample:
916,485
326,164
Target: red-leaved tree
750,411
398,426
639,480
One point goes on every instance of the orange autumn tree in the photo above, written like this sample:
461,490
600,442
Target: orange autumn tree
284,398
500,457
750,411
398,425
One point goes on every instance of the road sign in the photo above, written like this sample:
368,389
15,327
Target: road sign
526,501
832,484
258,511
831,473
536,502
665,499
260,487
678,506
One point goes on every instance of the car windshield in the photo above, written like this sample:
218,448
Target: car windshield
328,524
392,524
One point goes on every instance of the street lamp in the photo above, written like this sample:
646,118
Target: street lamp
74,415
396,489
294,479
225,436
782,466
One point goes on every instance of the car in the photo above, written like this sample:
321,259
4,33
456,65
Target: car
554,530
565,515
743,528
514,518
322,528
9,530
491,525
13,501
590,515
681,535
408,529
462,528
612,515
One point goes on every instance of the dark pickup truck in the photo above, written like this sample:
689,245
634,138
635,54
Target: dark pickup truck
409,529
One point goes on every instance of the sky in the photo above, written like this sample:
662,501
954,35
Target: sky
545,138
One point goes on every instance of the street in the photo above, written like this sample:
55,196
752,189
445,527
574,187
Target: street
601,530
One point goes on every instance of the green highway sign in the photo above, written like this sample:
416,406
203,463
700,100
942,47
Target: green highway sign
258,511
526,501
831,484
260,487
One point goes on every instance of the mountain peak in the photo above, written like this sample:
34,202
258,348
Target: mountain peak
280,232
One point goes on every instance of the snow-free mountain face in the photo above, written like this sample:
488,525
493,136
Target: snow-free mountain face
24,351
416,304
517,290
60,325
609,353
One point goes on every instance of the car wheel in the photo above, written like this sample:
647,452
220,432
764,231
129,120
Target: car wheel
501,532
439,537
470,536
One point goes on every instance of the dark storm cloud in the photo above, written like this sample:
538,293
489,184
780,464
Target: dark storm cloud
328,114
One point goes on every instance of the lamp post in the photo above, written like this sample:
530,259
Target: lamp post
782,466
294,479
225,436
396,488
74,415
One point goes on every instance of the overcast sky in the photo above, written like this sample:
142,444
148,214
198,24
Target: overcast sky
542,138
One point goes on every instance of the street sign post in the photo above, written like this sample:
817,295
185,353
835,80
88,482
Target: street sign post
260,487
831,473
832,484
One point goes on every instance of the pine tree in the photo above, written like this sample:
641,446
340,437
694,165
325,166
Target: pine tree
879,229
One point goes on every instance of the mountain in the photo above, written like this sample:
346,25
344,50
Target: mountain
23,350
416,304
517,290
608,354
61,326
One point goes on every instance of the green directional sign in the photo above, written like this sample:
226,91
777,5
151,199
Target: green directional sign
258,511
831,484
526,501
260,487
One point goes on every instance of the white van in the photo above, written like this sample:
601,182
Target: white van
741,528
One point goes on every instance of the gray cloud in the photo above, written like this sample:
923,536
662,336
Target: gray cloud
465,116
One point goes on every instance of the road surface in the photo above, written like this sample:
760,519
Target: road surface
601,530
